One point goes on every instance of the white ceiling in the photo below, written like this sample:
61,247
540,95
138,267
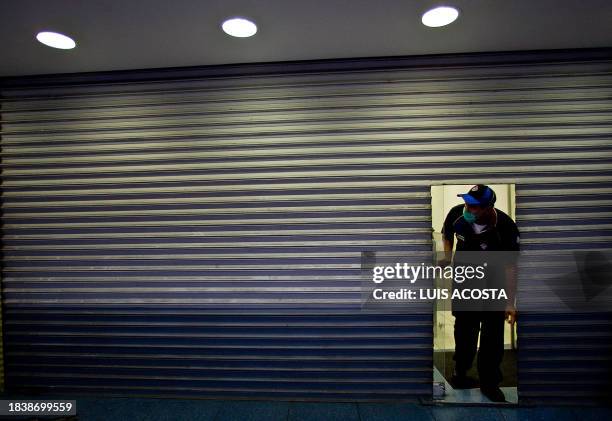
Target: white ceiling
142,34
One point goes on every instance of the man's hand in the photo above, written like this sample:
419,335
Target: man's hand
511,314
444,262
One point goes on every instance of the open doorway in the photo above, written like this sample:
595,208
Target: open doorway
444,198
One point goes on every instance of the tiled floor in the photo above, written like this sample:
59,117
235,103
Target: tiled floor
129,409
470,395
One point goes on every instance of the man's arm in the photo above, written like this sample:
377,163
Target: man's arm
448,251
511,282
512,275
448,236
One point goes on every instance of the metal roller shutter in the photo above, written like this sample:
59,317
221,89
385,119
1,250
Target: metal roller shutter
198,232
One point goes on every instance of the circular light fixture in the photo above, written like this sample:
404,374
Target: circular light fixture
440,16
55,40
239,27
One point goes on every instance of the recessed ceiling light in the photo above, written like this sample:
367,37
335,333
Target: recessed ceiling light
55,40
439,16
239,27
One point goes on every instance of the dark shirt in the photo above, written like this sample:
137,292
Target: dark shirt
503,236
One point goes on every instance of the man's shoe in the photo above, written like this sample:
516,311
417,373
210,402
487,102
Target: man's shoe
463,381
494,393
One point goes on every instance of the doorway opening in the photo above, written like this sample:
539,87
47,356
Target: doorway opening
446,388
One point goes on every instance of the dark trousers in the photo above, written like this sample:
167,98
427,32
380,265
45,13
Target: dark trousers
490,324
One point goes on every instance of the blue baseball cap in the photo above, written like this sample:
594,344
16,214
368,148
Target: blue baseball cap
480,195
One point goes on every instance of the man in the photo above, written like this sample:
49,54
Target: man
479,226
